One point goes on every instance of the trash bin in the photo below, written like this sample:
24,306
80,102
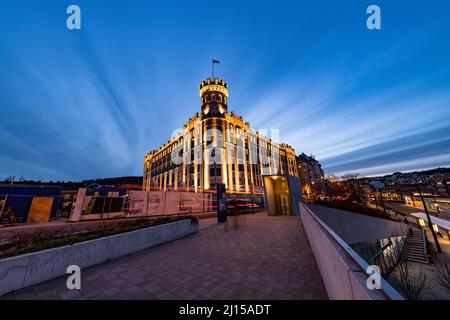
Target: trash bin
221,204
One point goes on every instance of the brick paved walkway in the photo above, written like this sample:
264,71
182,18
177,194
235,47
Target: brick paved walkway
265,258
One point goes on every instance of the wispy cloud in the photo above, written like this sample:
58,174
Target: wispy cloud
91,104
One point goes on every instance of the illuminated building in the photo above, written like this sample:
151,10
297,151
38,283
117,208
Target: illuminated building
216,147
311,176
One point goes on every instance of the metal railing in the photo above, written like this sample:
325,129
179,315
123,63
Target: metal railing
388,257
154,203
22,208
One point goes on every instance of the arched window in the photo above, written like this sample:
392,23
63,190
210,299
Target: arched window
213,97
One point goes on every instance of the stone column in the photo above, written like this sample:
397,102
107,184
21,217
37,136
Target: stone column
76,212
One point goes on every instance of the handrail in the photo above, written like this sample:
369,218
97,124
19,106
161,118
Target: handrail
386,287
424,237
396,255
376,255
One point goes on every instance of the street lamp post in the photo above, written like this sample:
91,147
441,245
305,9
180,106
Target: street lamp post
382,201
430,224
375,198
435,202
313,190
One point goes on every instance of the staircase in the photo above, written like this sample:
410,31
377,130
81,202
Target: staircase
415,247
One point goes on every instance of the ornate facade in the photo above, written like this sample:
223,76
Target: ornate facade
311,176
216,147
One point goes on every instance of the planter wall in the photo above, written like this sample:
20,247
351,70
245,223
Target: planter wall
29,269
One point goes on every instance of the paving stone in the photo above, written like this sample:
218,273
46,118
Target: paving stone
112,291
68,294
267,258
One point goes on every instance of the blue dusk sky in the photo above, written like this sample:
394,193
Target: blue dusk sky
91,103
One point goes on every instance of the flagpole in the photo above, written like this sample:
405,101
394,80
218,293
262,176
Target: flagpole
213,61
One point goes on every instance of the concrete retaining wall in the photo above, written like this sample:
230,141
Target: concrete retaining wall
357,228
29,269
343,277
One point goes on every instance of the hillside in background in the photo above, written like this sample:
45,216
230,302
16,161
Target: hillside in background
68,185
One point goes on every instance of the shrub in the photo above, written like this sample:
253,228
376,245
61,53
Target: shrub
354,207
443,270
411,279
44,239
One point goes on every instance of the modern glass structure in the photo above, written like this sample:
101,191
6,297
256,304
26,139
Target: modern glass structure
215,147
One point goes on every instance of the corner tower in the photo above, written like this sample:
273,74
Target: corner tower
214,97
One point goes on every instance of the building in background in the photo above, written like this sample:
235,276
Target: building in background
215,147
311,176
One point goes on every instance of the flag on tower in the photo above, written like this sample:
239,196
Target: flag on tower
214,61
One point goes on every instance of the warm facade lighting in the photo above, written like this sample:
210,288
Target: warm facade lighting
435,228
421,223
217,147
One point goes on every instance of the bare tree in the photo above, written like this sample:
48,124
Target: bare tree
350,176
443,270
411,279
9,179
353,185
